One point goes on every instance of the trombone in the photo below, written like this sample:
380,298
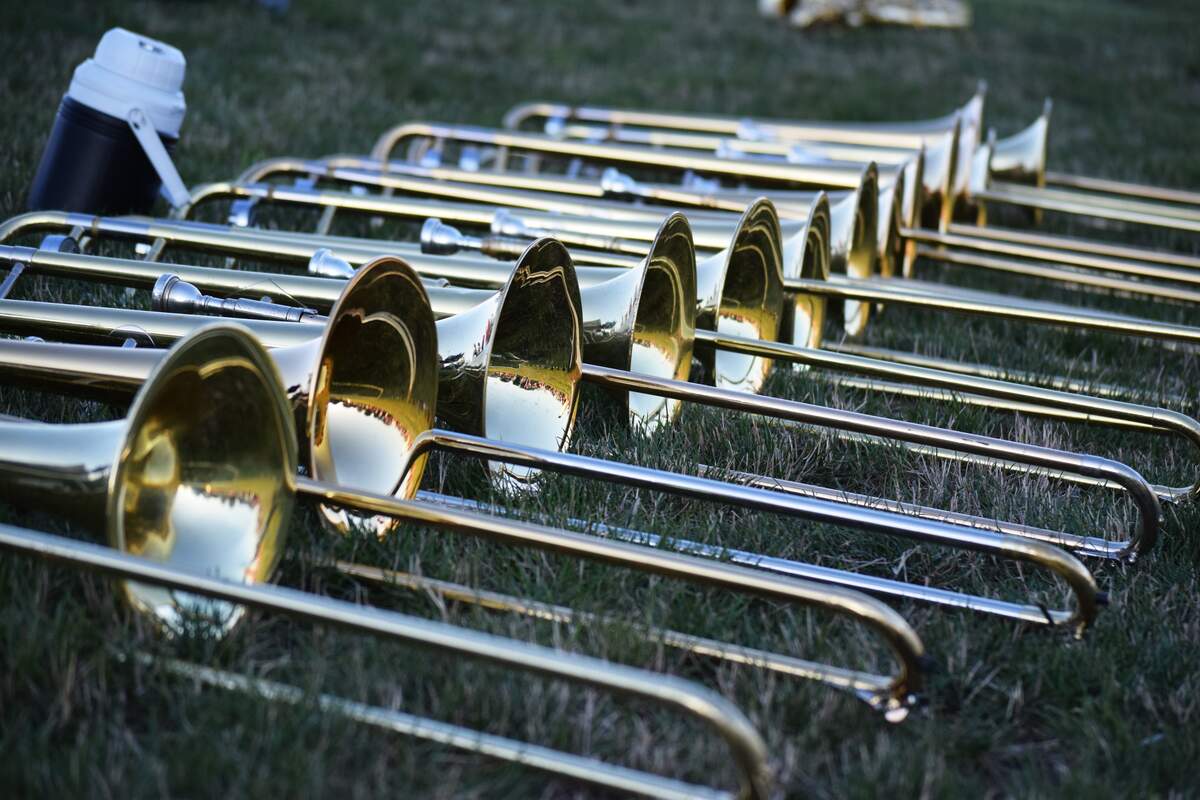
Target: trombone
616,304
957,247
908,135
56,368
195,488
901,235
1005,250
1016,174
107,370
753,329
855,250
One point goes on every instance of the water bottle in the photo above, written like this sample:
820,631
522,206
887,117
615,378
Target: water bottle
108,151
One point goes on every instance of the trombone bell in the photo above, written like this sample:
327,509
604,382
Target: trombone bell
178,482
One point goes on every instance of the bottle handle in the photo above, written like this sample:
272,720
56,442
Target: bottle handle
173,187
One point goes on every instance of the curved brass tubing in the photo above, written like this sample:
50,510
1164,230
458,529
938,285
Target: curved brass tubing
305,290
79,367
604,332
1017,174
707,707
855,297
651,299
818,176
668,363
195,488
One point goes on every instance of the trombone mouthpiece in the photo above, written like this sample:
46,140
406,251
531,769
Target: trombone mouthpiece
440,239
327,265
172,293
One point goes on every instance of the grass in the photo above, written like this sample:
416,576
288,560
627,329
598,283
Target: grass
1012,711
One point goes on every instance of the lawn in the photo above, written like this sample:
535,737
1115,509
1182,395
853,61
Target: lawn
1011,711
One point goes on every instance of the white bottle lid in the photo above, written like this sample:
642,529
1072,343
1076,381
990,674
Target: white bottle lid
132,71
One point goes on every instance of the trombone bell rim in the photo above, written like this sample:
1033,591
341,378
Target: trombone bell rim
374,387
186,489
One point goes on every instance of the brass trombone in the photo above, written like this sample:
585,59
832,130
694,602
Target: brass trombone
26,317
852,222
804,273
959,132
735,306
300,247
1017,171
194,489
1013,172
1083,262
110,372
901,237
1016,175
908,135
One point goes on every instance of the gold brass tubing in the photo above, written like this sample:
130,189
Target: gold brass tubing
1017,194
299,287
744,402
732,147
558,195
916,370
357,169
1089,184
885,622
26,316
549,612
877,290
871,584
321,292
1165,494
1054,382
879,503
910,134
72,365
629,230
1139,266
1076,244
942,166
467,198
786,174
678,390
120,370
1140,492
1020,157
1034,551
710,709
1126,204
525,754
1071,277
606,234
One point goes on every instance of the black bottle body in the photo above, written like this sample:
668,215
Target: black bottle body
94,164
